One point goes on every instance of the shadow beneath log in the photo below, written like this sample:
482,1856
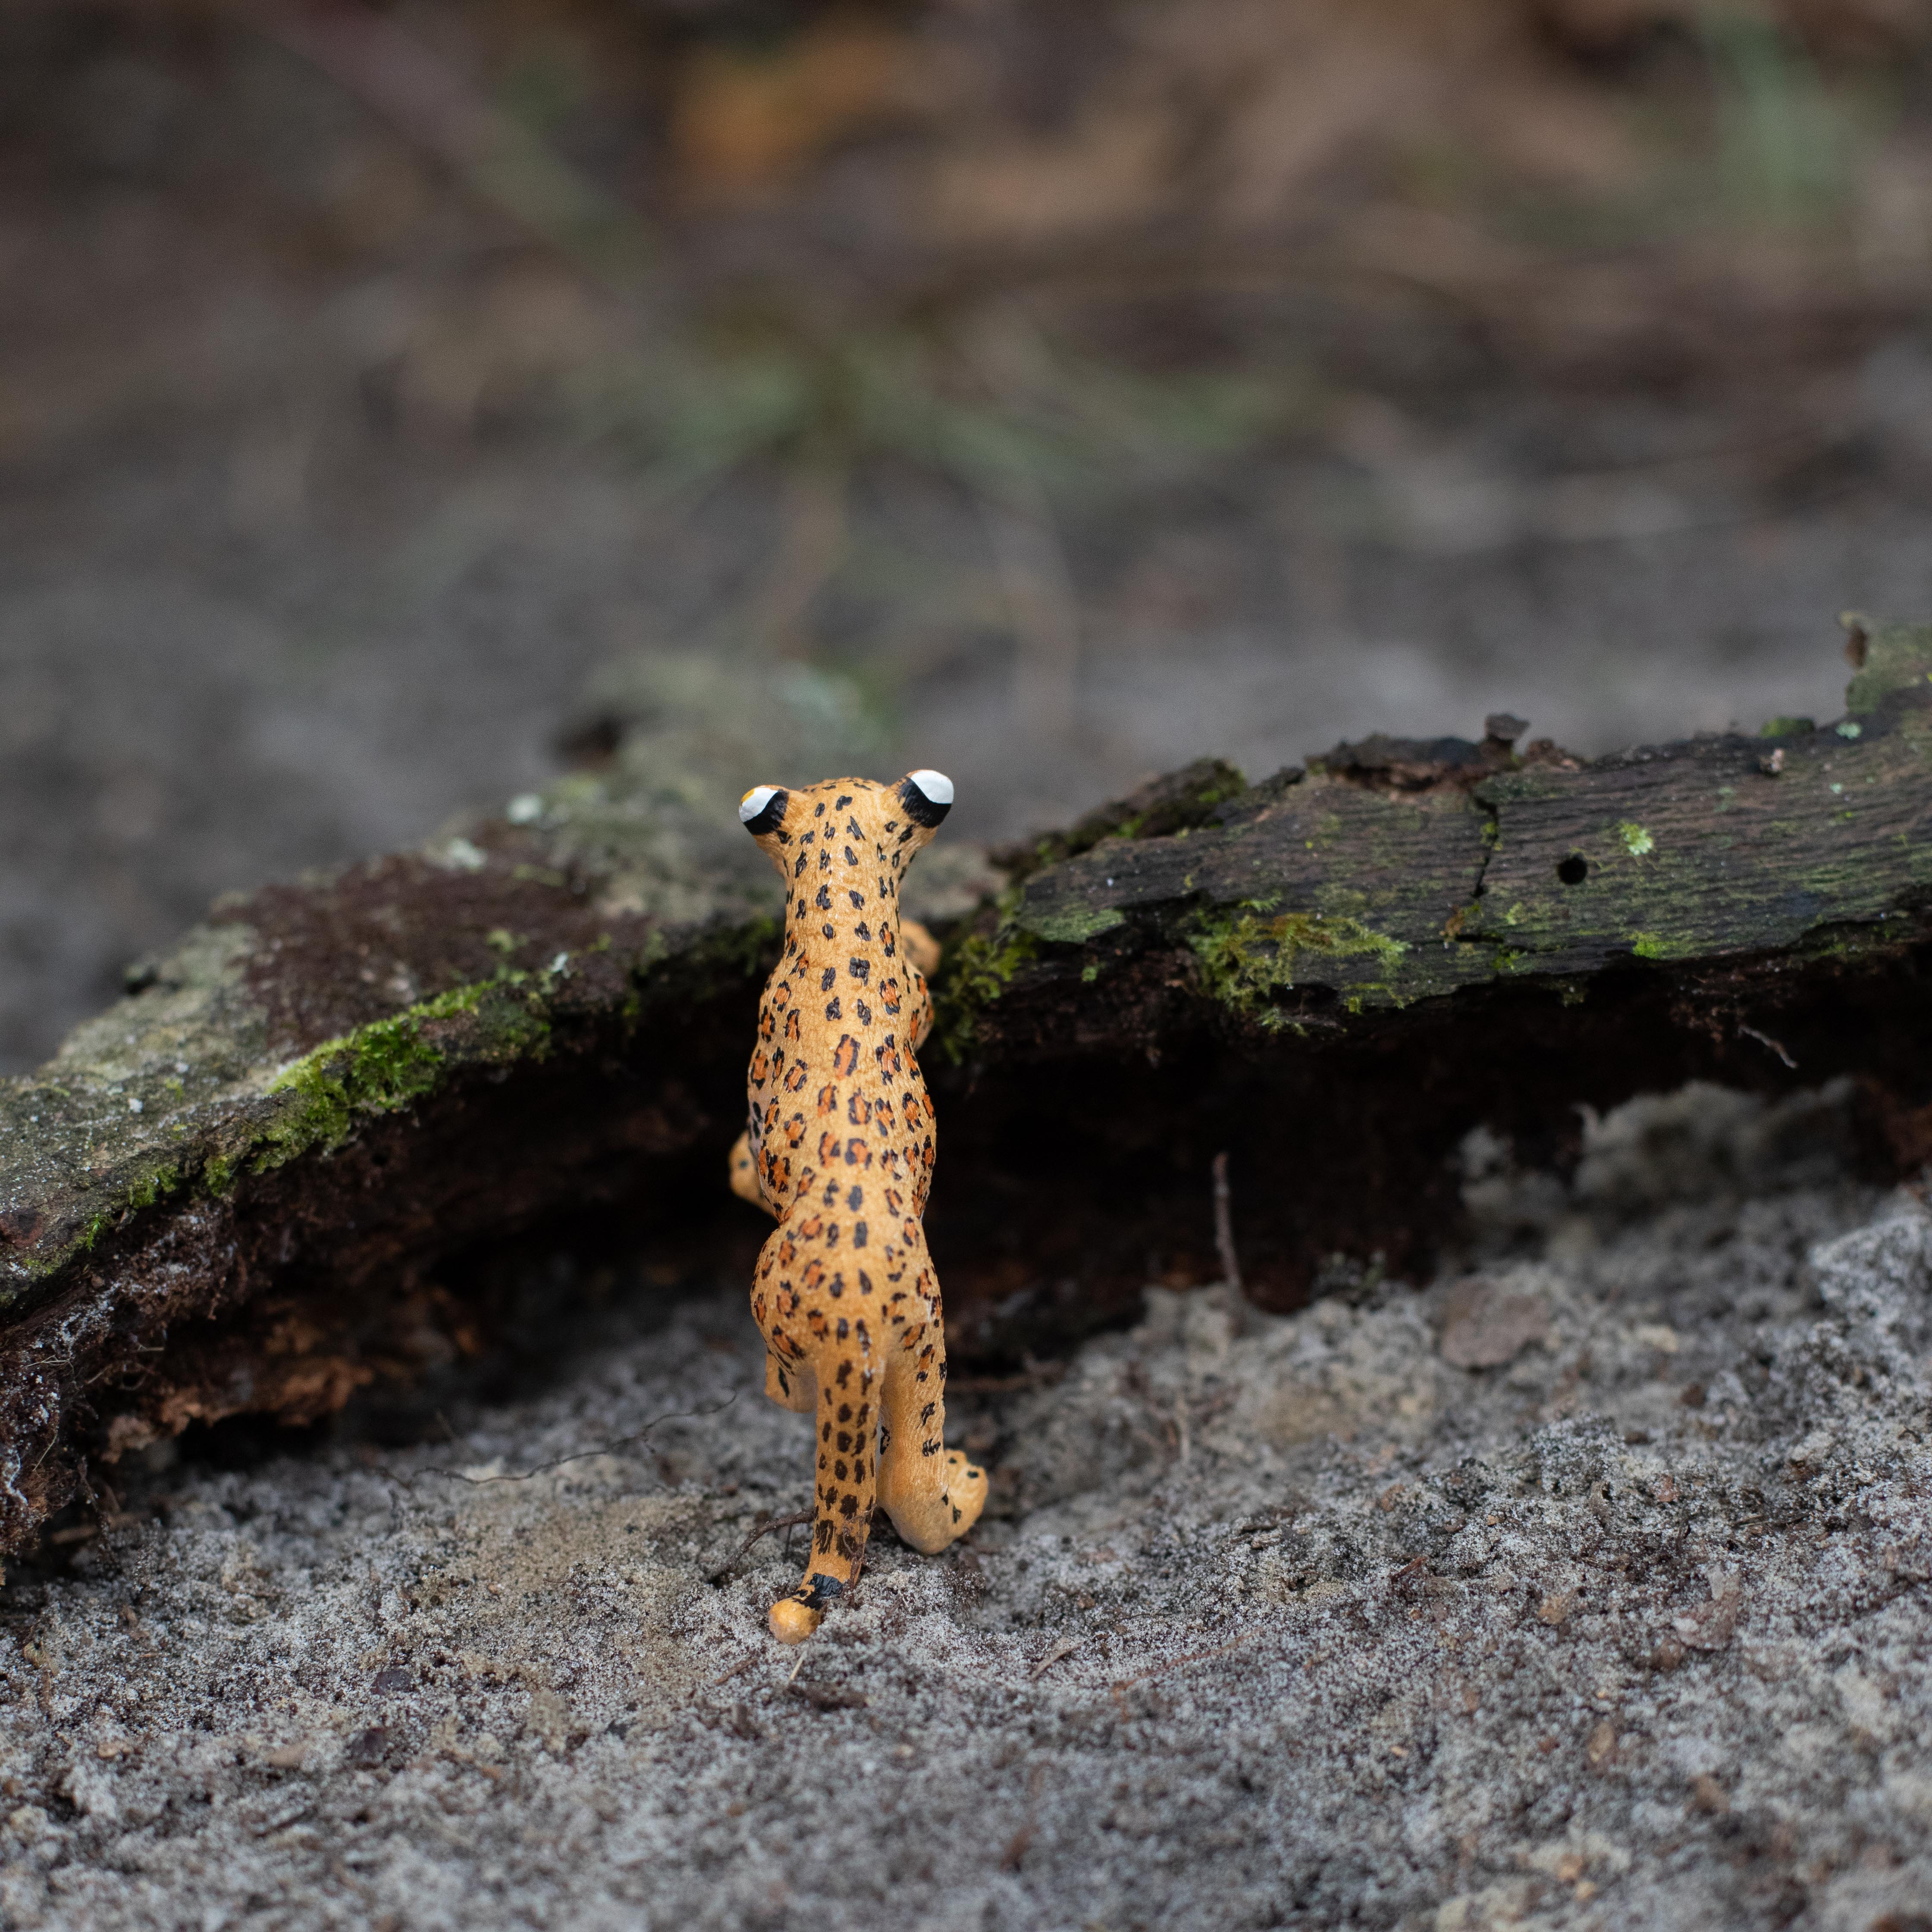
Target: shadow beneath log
444,1262
1069,1182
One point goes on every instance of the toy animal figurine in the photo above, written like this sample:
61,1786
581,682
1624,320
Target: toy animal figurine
839,1147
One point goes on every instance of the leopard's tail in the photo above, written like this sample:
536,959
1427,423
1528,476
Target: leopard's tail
847,1413
933,1494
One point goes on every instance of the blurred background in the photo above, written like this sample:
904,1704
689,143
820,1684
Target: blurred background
399,404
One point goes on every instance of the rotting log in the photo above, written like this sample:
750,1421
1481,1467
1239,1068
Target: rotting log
233,1191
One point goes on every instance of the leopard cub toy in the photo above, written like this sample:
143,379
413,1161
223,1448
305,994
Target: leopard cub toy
839,1147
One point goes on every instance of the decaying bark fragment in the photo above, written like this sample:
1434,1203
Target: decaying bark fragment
224,1194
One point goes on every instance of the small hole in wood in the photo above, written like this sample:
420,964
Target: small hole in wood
1573,870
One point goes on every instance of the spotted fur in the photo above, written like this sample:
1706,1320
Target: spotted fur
839,1144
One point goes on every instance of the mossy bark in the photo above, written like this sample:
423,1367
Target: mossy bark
219,1194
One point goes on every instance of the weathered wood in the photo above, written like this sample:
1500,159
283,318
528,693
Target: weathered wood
222,1195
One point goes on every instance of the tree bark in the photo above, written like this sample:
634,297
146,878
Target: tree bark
300,1144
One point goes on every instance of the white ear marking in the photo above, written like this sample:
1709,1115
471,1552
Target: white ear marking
935,785
755,802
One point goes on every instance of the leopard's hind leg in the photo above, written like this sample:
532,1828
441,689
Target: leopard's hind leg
848,1427
933,1494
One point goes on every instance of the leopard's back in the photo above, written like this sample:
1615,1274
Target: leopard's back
834,1094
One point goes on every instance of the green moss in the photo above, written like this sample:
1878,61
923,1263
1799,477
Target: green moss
975,972
1636,841
389,1063
1786,728
152,1187
1648,945
1246,955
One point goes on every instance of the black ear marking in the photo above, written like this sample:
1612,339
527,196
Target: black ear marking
762,809
927,797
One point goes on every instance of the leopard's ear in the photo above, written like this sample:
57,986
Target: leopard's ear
927,797
762,809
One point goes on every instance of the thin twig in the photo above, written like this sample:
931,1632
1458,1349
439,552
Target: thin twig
1195,1656
1224,1225
731,1562
1040,1374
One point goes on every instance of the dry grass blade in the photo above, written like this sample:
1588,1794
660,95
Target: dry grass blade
1060,1651
609,1448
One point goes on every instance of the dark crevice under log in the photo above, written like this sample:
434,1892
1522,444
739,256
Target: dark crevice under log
257,1185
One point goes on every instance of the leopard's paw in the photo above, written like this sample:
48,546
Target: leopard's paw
791,1622
744,1173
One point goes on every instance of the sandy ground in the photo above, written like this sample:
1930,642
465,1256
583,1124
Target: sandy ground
1587,1588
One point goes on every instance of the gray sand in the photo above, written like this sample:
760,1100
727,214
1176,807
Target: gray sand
1326,1621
